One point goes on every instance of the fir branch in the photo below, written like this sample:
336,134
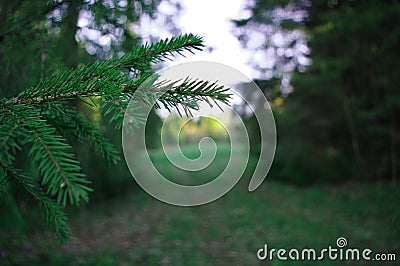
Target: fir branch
160,51
114,89
186,93
55,217
59,170
35,115
106,79
195,90
93,79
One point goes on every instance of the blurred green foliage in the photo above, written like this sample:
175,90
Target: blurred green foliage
341,121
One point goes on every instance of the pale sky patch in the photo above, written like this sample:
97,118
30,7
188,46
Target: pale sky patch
211,20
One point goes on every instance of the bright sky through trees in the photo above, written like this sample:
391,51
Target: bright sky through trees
211,20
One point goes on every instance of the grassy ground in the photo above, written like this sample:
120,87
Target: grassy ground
139,230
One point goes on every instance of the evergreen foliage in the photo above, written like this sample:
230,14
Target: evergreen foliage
343,111
40,118
347,103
